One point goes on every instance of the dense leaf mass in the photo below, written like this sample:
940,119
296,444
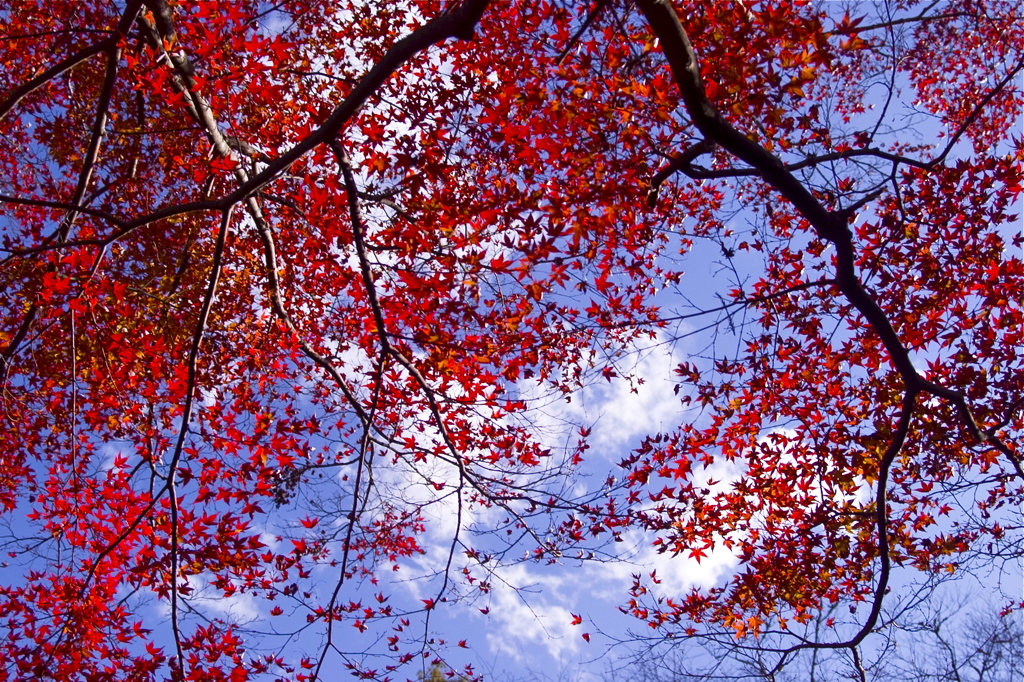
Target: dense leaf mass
286,283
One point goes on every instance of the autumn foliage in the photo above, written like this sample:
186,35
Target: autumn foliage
281,278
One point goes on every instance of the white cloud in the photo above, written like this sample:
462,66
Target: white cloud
239,608
531,611
618,411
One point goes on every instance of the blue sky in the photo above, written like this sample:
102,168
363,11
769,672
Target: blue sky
524,624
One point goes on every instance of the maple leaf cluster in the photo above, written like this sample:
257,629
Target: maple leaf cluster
283,280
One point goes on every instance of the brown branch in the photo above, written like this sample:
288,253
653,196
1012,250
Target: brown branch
677,164
168,486
70,207
833,227
108,45
973,116
829,225
126,227
683,164
682,59
93,152
458,23
201,111
882,528
345,169
882,513
983,436
352,193
60,67
186,416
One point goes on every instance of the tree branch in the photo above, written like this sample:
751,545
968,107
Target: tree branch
108,45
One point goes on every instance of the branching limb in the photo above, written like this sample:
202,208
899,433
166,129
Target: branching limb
998,88
591,16
192,363
387,348
282,314
881,515
108,45
355,220
831,226
203,113
186,416
458,23
98,129
715,128
981,435
111,47
679,163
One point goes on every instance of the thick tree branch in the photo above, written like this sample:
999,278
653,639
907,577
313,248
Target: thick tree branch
458,23
186,417
881,515
71,61
682,59
92,153
677,164
352,192
829,225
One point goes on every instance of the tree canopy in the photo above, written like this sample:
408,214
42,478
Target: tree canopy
287,285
